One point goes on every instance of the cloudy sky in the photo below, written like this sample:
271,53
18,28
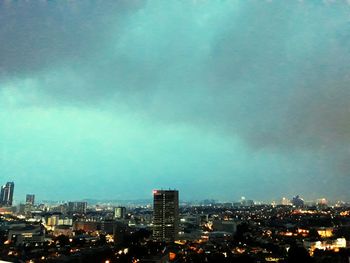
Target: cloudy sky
218,99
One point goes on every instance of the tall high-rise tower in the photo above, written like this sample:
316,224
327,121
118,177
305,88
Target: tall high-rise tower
165,215
6,194
30,198
119,212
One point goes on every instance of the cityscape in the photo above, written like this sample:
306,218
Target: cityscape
169,230
174,131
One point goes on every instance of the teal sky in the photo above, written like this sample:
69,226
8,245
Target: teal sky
218,99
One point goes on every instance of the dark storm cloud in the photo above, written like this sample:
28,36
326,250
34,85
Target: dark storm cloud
39,34
275,73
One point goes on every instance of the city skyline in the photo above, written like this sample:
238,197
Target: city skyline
170,232
284,200
219,99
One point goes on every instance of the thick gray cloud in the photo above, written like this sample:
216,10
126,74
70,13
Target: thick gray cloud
39,34
273,73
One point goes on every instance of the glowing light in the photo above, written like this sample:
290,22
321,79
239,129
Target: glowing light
334,245
325,232
172,256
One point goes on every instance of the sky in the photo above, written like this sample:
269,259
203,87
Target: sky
218,99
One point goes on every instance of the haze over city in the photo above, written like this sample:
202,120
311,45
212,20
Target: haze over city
218,99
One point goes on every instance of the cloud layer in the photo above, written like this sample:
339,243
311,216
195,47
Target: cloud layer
270,75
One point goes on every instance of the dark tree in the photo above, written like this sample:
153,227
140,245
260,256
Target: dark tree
297,254
62,240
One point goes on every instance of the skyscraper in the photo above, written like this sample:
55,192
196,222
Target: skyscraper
165,215
6,194
119,212
30,199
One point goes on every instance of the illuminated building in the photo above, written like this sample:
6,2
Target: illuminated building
325,232
119,212
285,201
30,199
322,202
52,220
66,221
6,195
330,245
165,215
57,220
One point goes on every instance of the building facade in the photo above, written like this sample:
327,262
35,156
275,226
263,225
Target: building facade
77,207
119,212
6,194
30,198
165,215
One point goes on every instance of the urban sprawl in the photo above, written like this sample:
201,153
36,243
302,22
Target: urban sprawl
168,230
